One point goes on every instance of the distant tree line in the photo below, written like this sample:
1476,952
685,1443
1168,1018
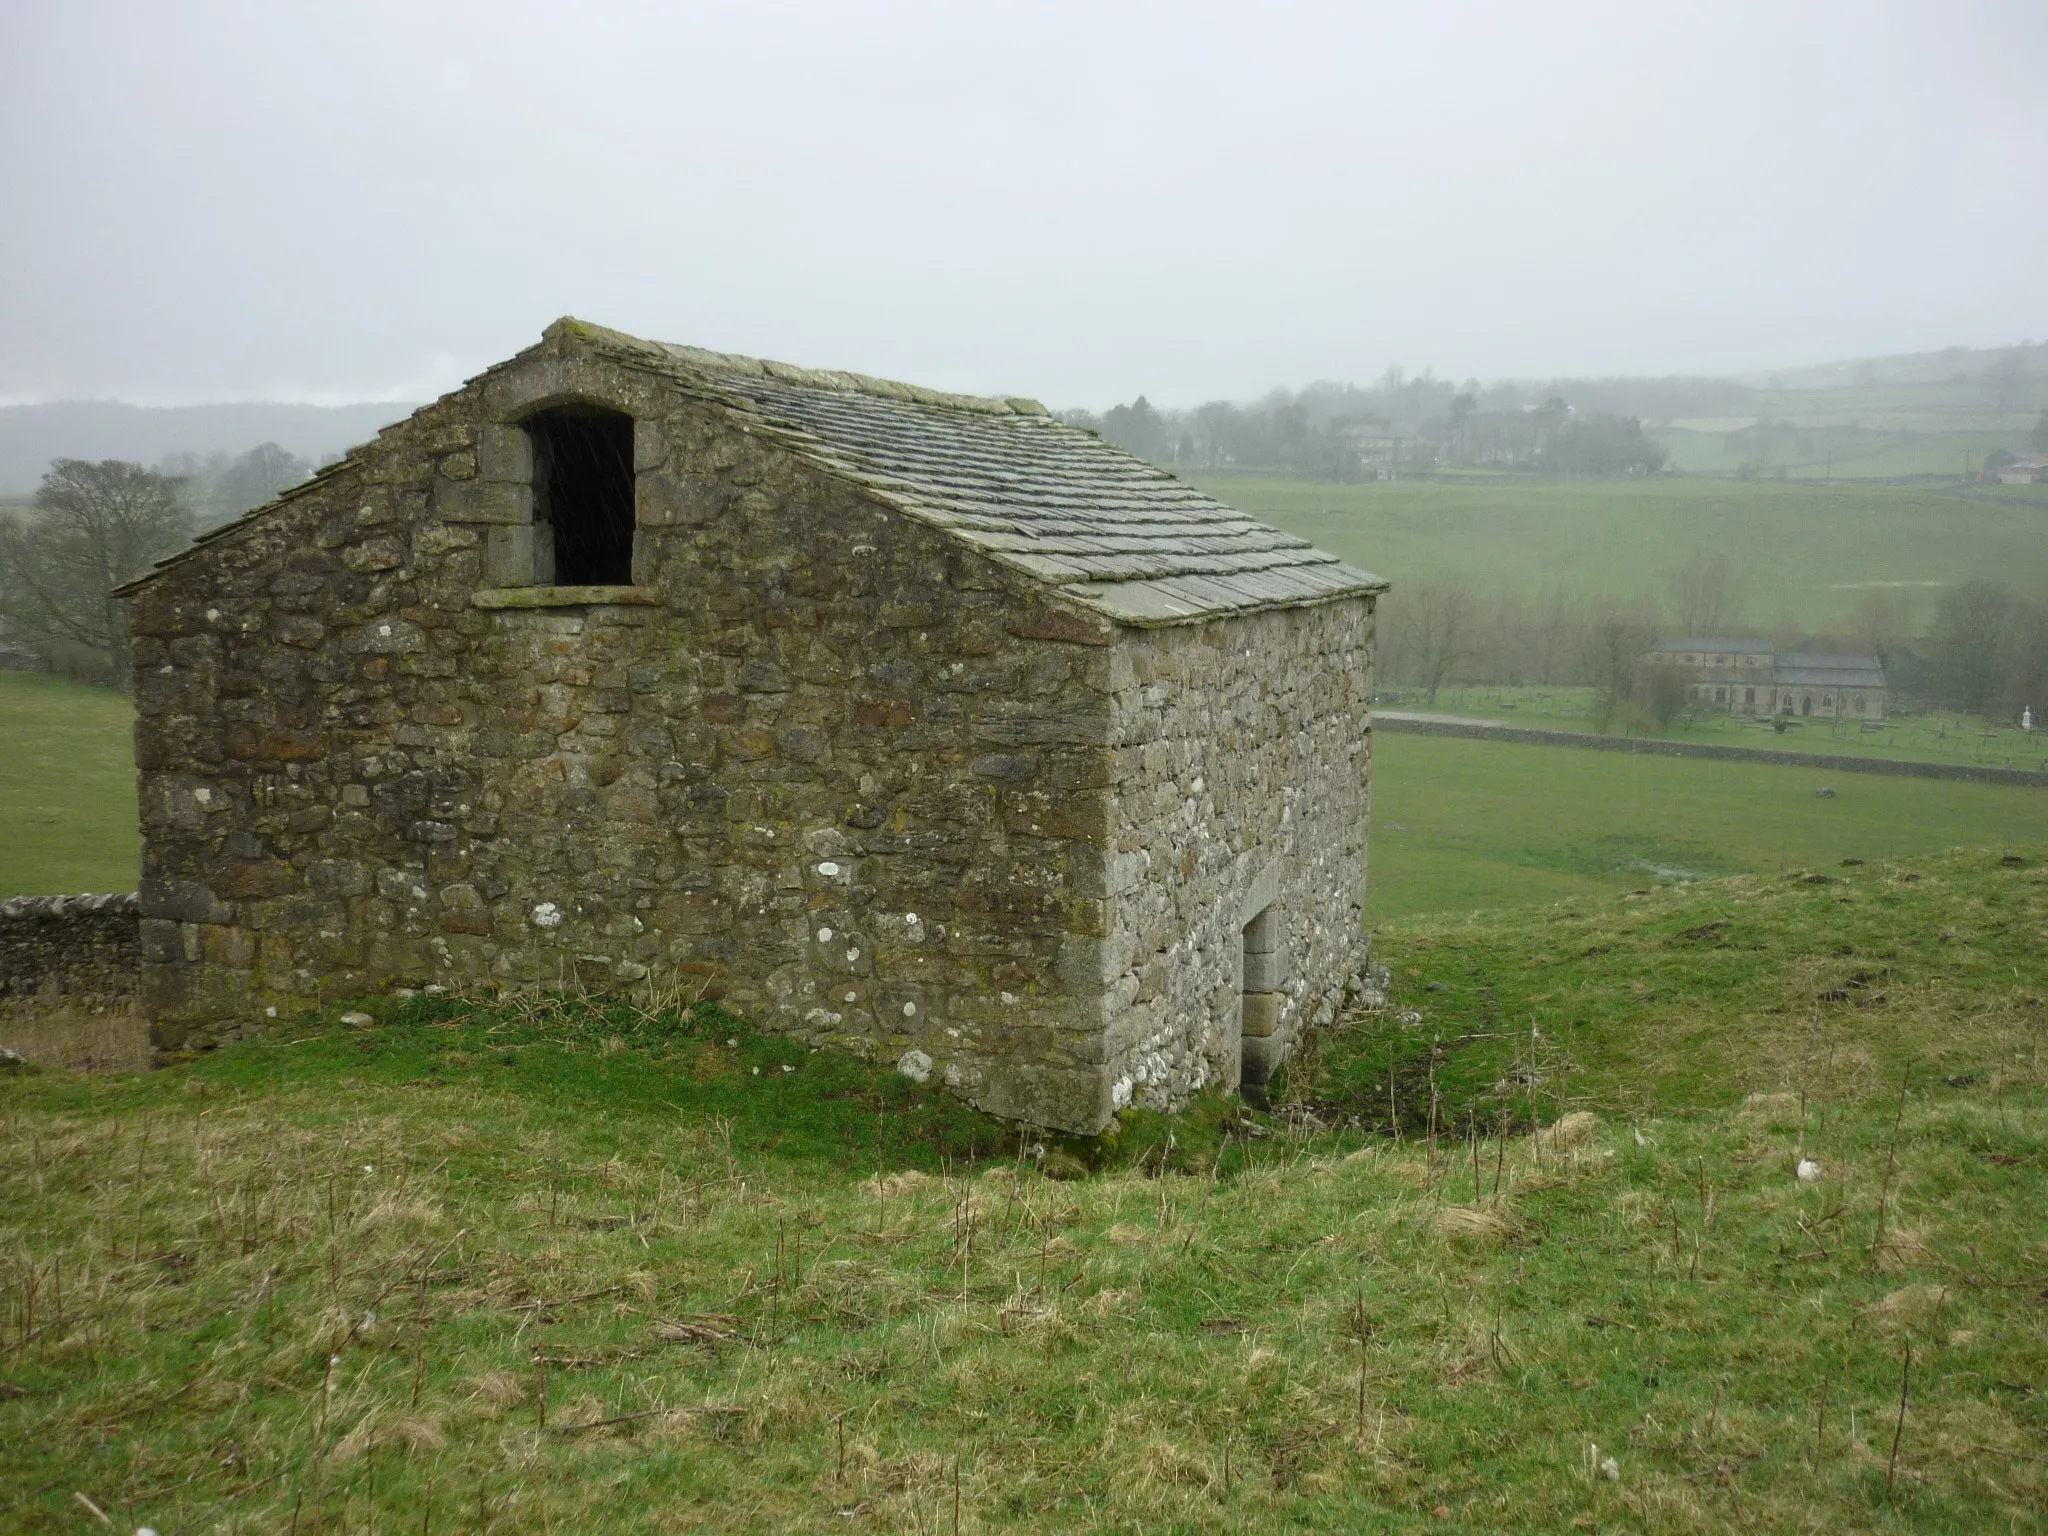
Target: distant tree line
217,487
1410,424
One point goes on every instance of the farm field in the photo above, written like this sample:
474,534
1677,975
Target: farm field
1833,452
1802,550
1463,825
1962,740
67,786
532,1264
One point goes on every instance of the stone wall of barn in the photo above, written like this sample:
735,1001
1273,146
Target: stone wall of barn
1242,756
819,761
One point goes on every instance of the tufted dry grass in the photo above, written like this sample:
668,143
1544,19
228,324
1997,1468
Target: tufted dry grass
357,1282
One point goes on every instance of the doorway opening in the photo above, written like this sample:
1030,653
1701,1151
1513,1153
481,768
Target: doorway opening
1264,976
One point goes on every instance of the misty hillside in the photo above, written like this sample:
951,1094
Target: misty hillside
32,435
1937,415
1951,365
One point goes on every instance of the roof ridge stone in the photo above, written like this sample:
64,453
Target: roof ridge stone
843,381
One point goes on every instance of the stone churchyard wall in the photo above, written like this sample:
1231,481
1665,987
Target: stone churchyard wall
71,954
1242,753
818,761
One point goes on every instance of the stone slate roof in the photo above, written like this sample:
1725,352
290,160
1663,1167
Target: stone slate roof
1717,647
1106,529
1825,669
1102,527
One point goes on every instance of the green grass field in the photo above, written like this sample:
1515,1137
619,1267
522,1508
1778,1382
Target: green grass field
536,1264
1833,452
1463,825
1801,550
67,784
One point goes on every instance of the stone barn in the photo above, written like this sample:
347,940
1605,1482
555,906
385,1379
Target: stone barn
920,724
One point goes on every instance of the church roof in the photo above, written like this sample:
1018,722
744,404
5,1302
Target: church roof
1717,647
1815,669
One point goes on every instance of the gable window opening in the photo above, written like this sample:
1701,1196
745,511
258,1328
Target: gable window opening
583,496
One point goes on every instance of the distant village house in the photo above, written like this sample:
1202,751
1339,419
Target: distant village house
2031,471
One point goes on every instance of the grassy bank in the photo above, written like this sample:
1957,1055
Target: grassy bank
1462,825
67,779
534,1267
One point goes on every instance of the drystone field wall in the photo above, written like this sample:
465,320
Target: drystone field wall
819,761
1831,762
1242,754
70,953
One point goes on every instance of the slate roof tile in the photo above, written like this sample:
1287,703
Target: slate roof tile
1105,528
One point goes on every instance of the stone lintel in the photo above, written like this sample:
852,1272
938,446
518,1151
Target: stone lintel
564,597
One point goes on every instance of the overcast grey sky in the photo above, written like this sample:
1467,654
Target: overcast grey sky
207,200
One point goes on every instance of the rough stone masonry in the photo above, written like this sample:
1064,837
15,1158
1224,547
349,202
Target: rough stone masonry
915,723
73,954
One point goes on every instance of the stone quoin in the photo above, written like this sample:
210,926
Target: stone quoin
923,725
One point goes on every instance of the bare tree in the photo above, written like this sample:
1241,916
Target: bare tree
2026,668
1667,690
2006,382
1436,624
95,525
1501,649
1708,594
1215,420
1615,643
1880,620
1558,619
1975,630
1137,428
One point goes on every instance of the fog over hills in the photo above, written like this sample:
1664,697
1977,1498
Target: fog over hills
32,435
1903,368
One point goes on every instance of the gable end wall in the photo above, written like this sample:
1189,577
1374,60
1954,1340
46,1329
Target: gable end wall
1243,754
842,773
